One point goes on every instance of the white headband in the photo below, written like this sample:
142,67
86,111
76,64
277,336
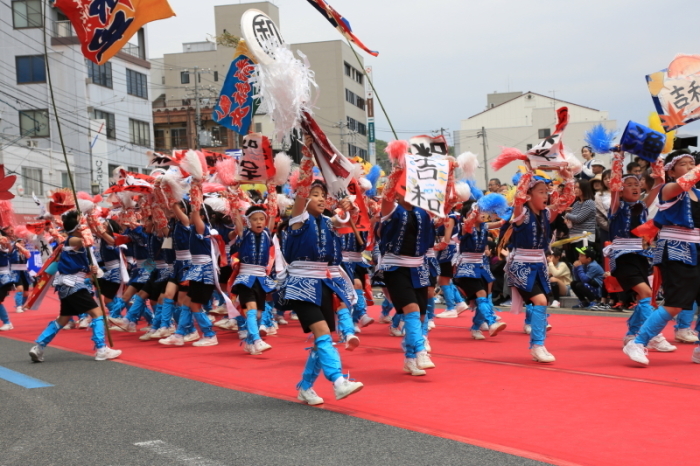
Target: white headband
675,160
263,211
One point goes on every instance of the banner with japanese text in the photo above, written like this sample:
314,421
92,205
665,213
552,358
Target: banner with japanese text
236,104
428,146
256,164
105,26
426,182
676,92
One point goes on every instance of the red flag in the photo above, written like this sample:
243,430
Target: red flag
340,23
105,26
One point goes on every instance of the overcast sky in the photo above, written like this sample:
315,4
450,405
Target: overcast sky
439,58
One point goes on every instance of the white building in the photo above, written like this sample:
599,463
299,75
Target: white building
521,120
105,111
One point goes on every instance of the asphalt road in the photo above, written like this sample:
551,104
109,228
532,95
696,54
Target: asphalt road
106,413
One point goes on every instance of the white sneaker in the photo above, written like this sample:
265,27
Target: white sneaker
282,321
344,388
129,327
357,329
293,316
222,323
351,342
230,325
106,353
272,331
206,341
147,328
220,310
395,332
686,335
261,346
309,397
461,307
250,349
70,325
427,346
696,355
147,336
194,336
119,323
448,314
262,330
365,320
37,353
548,328
431,324
477,335
211,318
660,344
19,309
423,361
6,327
497,328
555,304
540,354
627,339
527,329
411,366
160,333
84,322
175,340
637,352
384,319
484,327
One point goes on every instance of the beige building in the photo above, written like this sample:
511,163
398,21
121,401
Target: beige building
341,101
521,120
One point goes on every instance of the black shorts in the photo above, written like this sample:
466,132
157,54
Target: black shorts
631,270
78,303
5,290
138,286
471,286
528,295
224,275
680,283
200,293
361,273
310,313
108,289
433,281
153,288
446,269
246,295
23,281
401,291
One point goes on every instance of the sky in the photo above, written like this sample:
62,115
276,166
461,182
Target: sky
439,58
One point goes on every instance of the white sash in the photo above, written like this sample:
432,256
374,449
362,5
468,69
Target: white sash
680,234
393,260
254,270
306,269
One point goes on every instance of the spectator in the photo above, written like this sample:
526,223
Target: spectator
559,276
597,167
602,207
633,168
587,154
581,214
503,189
648,183
596,184
494,185
646,166
559,227
589,278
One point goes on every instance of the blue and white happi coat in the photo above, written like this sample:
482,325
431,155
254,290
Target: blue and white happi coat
471,246
531,237
202,268
111,258
73,271
624,241
676,212
141,272
254,254
18,267
5,273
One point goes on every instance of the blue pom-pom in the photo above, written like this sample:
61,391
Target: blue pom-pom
493,203
477,193
600,139
287,190
316,171
516,178
373,177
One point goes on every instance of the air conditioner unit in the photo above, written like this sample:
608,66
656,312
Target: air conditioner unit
32,143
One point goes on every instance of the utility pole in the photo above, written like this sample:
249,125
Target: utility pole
342,124
198,111
482,135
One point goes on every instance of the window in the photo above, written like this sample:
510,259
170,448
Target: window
30,69
160,139
353,73
354,125
354,99
184,77
26,14
34,123
528,147
362,128
216,76
32,181
100,74
543,133
219,136
178,138
348,70
112,167
111,130
134,169
139,132
65,181
146,171
355,151
136,84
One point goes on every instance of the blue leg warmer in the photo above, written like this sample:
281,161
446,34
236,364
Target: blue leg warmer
136,308
98,332
166,312
430,309
147,314
312,369
456,295
448,294
204,324
267,318
653,325
528,314
184,323
359,309
396,320
424,326
19,299
328,357
115,307
157,316
386,306
49,333
413,339
641,313
684,319
538,322
345,325
3,315
242,323
485,308
251,317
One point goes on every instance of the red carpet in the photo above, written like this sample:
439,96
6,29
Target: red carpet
592,406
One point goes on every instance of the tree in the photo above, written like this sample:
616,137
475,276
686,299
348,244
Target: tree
382,157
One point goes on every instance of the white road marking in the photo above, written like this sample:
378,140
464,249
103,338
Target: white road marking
178,454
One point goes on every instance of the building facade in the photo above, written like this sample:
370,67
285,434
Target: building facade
522,120
105,111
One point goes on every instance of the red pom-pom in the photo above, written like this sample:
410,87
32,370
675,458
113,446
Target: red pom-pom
507,155
396,150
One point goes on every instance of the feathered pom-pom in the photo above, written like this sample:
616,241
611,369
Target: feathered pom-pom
373,177
507,155
655,124
397,150
283,165
203,162
475,191
85,205
174,183
357,171
463,191
294,179
494,203
365,184
226,171
22,232
600,139
575,165
192,164
208,188
218,204
84,195
516,178
283,202
287,190
119,173
468,163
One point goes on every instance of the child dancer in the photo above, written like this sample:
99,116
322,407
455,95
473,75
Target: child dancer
75,291
676,251
5,281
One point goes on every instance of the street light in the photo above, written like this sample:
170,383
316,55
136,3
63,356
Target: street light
95,188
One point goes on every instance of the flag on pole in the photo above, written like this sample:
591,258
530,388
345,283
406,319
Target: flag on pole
237,105
340,23
105,26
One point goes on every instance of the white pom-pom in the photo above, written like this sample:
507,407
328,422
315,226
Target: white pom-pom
365,184
283,202
575,165
216,203
192,165
283,166
464,193
468,163
357,171
85,205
